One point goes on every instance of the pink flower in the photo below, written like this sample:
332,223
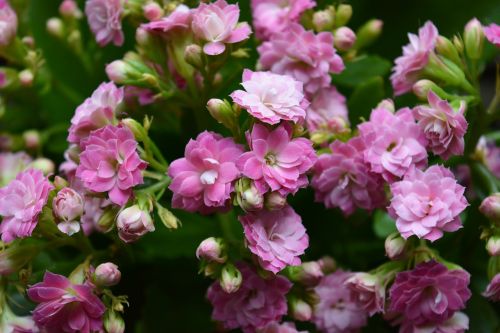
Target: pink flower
133,223
97,111
276,327
179,20
426,203
272,16
303,55
66,307
22,202
368,291
336,311
327,112
203,180
271,97
68,208
492,33
277,237
490,154
343,179
443,127
104,18
107,274
415,57
254,305
430,293
8,23
217,24
11,164
493,289
458,323
110,163
394,143
277,161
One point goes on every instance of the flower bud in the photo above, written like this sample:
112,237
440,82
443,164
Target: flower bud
490,207
136,128
327,264
474,39
230,279
300,310
274,200
493,246
152,11
368,33
248,196
194,56
26,78
344,38
8,23
422,87
133,223
113,322
323,20
107,275
68,208
15,256
222,111
387,104
44,164
31,139
60,183
142,37
69,9
395,246
212,249
310,273
211,269
445,47
55,27
343,15
117,71
459,44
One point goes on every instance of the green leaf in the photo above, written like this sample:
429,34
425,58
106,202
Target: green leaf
362,69
364,98
383,224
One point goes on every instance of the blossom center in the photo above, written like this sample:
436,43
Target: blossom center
209,177
270,159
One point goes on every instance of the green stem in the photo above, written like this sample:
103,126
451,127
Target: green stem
157,186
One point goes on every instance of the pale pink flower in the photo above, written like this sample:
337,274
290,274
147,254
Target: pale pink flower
254,305
277,161
276,327
344,38
443,126
66,307
271,97
337,312
394,143
272,16
277,238
211,249
21,204
327,112
303,55
415,57
107,275
68,208
426,203
110,163
458,323
8,23
97,111
217,24
492,291
343,179
11,164
368,291
133,223
179,20
105,20
203,180
492,33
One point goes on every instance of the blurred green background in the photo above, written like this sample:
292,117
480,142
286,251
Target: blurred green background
160,272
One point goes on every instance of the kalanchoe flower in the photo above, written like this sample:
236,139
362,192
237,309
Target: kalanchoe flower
152,11
337,311
212,249
96,112
11,164
230,278
327,112
303,55
8,23
490,207
394,143
368,291
443,127
430,293
458,323
68,208
203,179
415,57
492,291
66,307
271,97
344,38
257,302
21,204
272,16
426,203
107,275
492,33
299,309
104,18
276,327
133,223
277,161
110,163
179,20
343,179
277,237
217,24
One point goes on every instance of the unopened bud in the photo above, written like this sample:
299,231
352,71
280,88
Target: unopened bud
68,208
117,71
327,264
136,128
69,9
490,207
474,39
44,164
343,15
323,20
445,47
133,223
344,38
55,27
248,196
26,78
368,33
8,23
300,310
194,55
142,37
395,246
60,183
230,280
152,11
387,104
211,269
107,275
222,111
168,218
274,200
459,44
31,139
212,249
422,88
310,273
113,322
493,246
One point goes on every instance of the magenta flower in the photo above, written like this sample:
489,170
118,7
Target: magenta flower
415,57
492,33
367,290
203,180
96,112
343,179
179,20
271,97
254,305
327,112
11,164
217,24
430,293
110,163
426,203
21,204
493,289
66,307
394,143
303,55
276,327
443,127
273,16
277,161
105,21
277,237
8,23
458,323
337,311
